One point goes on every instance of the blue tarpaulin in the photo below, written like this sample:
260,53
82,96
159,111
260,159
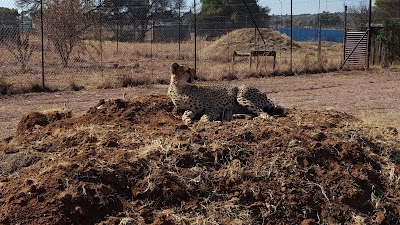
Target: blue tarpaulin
305,34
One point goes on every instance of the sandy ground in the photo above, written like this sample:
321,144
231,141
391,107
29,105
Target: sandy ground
133,161
373,96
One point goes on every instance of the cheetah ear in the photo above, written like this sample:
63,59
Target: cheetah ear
174,67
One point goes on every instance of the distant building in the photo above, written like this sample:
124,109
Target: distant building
25,24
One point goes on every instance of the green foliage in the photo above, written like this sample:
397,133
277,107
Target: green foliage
220,16
8,24
387,9
137,14
330,20
8,16
391,39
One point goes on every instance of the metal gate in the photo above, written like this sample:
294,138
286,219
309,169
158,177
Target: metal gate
356,49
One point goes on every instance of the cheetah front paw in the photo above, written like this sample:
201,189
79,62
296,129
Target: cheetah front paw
187,117
204,119
187,121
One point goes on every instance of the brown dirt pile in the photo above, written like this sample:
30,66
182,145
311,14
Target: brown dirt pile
134,162
244,40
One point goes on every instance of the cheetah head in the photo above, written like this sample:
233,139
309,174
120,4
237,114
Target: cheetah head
182,75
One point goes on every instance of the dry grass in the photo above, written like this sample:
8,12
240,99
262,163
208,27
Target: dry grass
4,86
305,60
322,166
376,119
96,64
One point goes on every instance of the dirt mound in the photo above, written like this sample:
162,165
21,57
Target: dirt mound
33,119
244,40
135,162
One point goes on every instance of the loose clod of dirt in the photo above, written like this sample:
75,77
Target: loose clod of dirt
135,162
246,39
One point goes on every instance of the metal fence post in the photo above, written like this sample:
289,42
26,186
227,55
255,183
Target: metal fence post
195,36
179,30
42,42
369,32
291,35
344,33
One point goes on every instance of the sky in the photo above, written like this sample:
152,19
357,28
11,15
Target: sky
7,3
279,6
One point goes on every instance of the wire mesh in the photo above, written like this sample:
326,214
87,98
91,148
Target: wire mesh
106,45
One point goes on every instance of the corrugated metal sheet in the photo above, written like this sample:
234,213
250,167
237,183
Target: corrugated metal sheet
356,54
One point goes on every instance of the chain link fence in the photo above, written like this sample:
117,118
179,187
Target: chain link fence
99,45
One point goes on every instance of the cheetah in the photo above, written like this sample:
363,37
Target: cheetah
216,101
258,103
212,102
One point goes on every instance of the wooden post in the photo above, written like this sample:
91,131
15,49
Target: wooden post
257,61
373,49
265,62
250,61
233,61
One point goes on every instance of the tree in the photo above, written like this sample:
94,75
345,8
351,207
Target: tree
34,5
65,22
8,16
219,16
8,24
391,40
138,13
387,9
15,40
20,48
330,20
388,12
358,16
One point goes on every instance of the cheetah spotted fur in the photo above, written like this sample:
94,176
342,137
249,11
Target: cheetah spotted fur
215,102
